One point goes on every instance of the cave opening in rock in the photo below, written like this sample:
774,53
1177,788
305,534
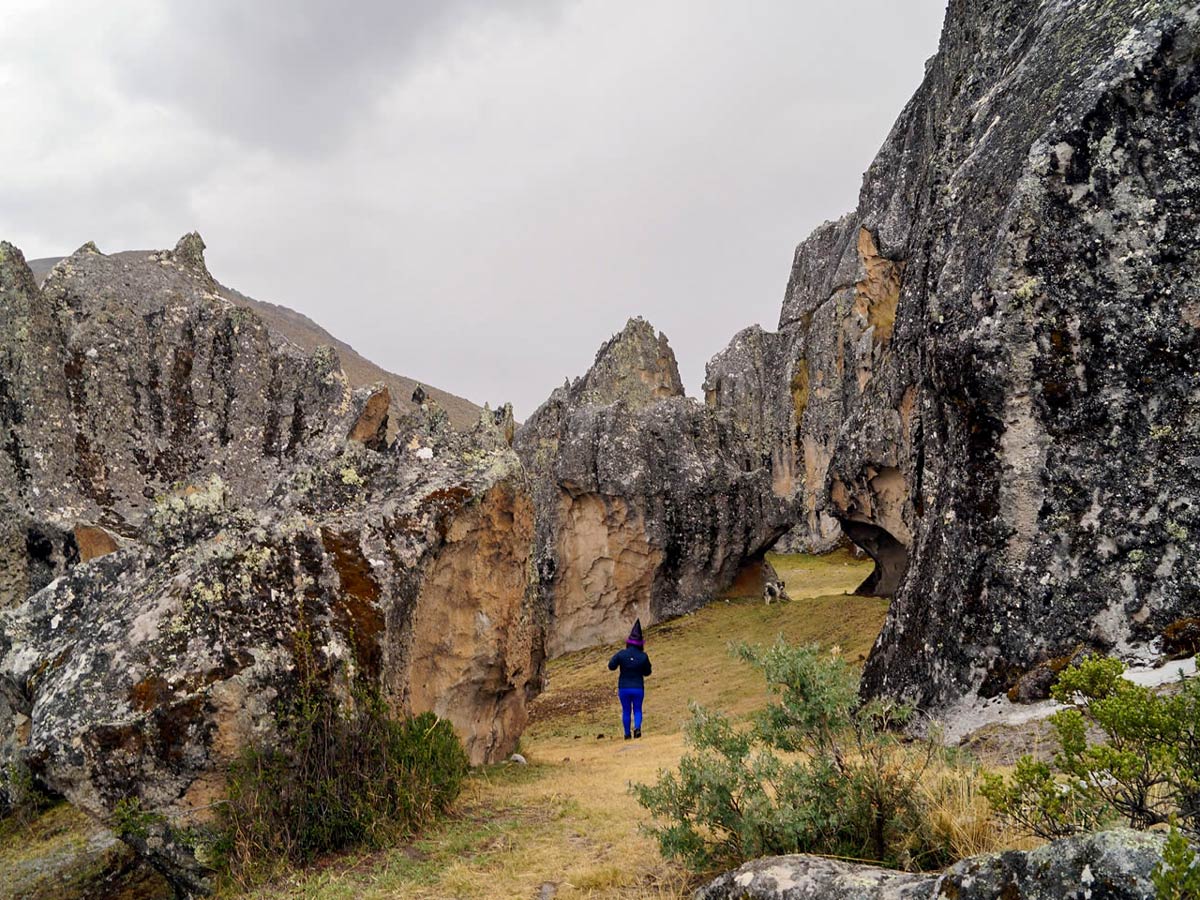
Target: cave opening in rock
889,554
753,576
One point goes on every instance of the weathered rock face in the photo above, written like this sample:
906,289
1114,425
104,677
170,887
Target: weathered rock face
124,380
259,537
647,504
1111,865
307,335
1009,307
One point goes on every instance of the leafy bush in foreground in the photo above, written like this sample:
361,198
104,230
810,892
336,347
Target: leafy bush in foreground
817,772
1177,876
337,780
1146,771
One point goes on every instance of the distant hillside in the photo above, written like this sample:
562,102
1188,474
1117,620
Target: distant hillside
307,334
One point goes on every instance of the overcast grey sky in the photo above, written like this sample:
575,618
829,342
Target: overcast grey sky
473,193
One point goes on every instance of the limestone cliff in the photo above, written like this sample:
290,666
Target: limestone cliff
1004,329
990,359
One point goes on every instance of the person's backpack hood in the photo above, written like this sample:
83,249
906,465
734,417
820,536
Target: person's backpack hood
635,636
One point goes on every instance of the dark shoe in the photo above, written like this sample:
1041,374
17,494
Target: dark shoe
637,732
626,737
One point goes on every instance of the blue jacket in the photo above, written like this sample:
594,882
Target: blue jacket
635,665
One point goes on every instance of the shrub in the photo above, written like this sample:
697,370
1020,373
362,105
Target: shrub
337,779
816,772
1177,876
1036,802
1145,771
131,822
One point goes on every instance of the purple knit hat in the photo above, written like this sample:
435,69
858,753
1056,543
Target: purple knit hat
635,636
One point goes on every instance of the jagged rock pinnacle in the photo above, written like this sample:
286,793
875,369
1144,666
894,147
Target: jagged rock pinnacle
189,251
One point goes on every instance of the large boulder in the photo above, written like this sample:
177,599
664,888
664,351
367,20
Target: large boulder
1110,865
233,530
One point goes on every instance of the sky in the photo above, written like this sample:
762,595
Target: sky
470,192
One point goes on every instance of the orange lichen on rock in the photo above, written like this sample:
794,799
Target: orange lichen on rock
93,541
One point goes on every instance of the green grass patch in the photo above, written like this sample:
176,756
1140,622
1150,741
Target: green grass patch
690,653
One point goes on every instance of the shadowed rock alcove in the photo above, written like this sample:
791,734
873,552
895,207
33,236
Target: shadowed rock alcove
890,556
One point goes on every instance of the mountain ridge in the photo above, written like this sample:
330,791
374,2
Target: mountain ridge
307,334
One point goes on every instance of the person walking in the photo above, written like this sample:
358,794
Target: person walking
631,689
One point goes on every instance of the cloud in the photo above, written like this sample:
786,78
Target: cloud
472,198
292,76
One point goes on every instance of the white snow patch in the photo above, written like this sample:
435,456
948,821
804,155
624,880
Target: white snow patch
969,716
1171,672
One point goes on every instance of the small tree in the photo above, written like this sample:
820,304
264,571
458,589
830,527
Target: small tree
816,772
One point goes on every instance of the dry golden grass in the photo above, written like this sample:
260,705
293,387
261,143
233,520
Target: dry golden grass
567,818
960,816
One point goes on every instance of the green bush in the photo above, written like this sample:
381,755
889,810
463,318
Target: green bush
1034,800
337,780
1177,876
1145,771
816,772
131,822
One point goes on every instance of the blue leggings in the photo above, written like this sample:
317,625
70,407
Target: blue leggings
631,702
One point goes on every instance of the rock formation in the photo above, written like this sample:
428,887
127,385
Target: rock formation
648,505
309,336
123,381
984,376
1010,310
205,521
1110,865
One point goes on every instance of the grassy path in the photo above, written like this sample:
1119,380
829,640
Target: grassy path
565,826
